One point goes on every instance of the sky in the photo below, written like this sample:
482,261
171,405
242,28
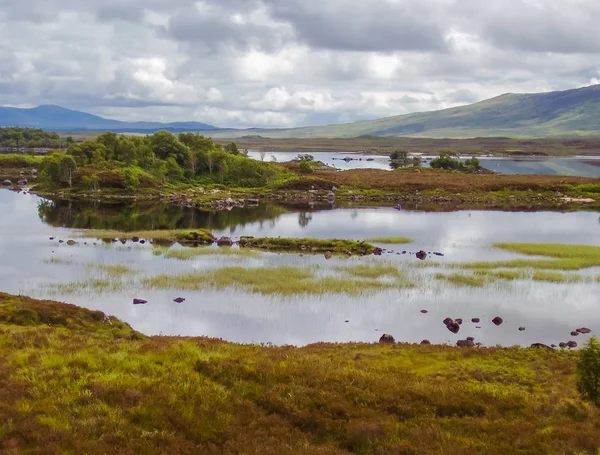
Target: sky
284,63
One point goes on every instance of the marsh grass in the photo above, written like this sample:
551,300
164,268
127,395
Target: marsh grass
279,280
74,381
559,257
110,270
308,245
191,253
172,235
58,261
390,240
460,279
372,271
96,286
483,277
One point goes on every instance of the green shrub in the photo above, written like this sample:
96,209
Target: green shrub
588,371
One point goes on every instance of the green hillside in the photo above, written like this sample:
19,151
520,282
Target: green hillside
568,113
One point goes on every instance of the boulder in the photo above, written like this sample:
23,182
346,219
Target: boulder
563,345
475,320
584,330
378,252
71,242
179,300
453,327
142,242
123,241
422,255
7,183
387,338
465,344
459,321
139,302
328,255
424,311
541,346
224,241
425,342
448,321
51,238
572,344
574,334
135,239
497,320
470,339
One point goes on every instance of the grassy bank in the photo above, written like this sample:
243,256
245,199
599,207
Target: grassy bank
76,381
183,236
308,245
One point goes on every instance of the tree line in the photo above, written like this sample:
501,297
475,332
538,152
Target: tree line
29,138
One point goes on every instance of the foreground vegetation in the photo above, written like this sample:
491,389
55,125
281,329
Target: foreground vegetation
78,381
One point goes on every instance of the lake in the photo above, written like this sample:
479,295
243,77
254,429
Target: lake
571,166
34,265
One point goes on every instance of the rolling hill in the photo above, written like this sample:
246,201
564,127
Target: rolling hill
56,118
567,113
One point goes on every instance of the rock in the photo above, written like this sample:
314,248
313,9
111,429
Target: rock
142,242
61,241
572,344
135,239
139,302
422,255
448,321
253,202
574,334
328,255
438,254
553,346
51,238
387,338
497,320
123,241
522,329
179,300
7,183
540,345
224,241
465,344
470,339
71,242
22,182
425,342
378,252
453,327
424,311
475,320
459,321
584,330
563,345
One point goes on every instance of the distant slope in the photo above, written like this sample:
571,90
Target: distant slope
568,113
56,118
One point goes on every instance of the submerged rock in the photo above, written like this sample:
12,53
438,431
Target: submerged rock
574,334
139,301
424,311
422,255
497,320
475,320
142,242
179,300
522,329
387,338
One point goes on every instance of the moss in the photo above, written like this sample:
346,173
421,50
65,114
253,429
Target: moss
308,245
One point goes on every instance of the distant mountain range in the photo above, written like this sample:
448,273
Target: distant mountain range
567,113
56,118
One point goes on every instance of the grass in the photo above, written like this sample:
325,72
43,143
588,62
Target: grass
274,281
559,257
459,279
184,254
389,240
96,286
308,245
58,261
370,271
75,381
483,277
183,236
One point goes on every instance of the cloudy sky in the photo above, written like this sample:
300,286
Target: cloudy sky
239,63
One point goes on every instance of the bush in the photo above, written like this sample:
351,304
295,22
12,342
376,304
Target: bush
305,167
588,372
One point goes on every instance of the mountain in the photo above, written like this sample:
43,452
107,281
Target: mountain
567,113
56,118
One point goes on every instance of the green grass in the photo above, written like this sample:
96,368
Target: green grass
76,382
389,240
308,245
559,257
373,271
459,279
483,277
265,280
96,286
191,253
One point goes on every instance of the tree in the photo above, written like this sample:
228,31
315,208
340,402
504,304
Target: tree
448,161
588,371
174,171
165,145
232,148
416,161
262,155
400,158
66,169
